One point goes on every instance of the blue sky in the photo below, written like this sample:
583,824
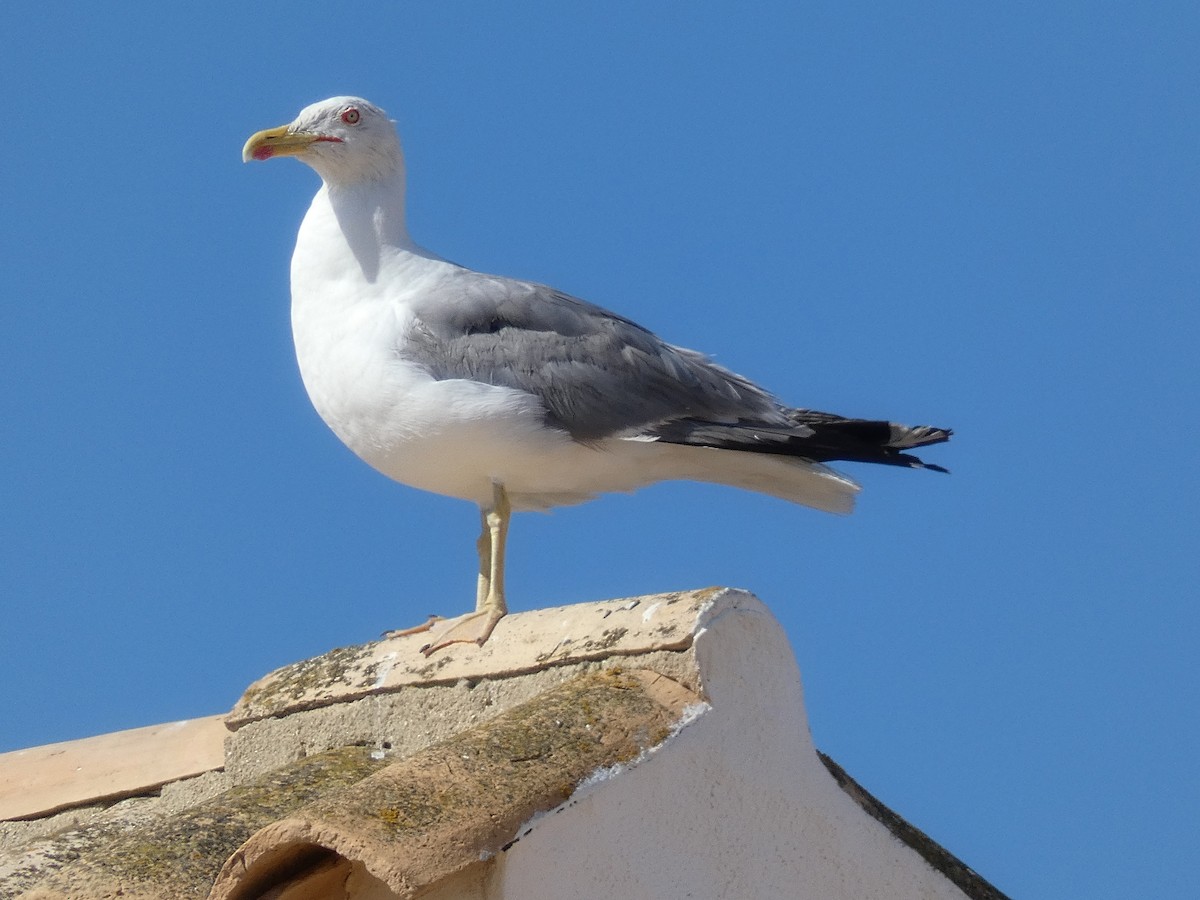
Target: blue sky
978,217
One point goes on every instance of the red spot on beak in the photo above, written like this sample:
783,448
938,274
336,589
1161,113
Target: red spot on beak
264,151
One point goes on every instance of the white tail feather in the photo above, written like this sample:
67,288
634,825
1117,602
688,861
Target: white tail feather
795,480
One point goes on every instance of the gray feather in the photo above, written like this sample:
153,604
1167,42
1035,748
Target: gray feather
596,373
599,375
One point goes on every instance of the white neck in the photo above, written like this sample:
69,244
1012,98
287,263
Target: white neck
374,206
369,213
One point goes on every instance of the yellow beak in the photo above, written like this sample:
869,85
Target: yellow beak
278,142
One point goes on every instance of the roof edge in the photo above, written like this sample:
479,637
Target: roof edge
942,860
523,643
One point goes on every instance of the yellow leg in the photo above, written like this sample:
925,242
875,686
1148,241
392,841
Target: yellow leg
490,606
496,522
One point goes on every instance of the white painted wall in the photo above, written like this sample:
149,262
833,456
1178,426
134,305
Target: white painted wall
736,806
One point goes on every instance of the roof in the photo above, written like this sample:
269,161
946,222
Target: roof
373,772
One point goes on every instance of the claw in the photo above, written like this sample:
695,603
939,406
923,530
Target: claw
473,628
416,629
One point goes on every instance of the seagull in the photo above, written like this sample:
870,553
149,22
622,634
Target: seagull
511,394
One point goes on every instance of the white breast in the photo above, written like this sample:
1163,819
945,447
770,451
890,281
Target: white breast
451,437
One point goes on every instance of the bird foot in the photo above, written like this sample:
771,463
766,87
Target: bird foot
472,628
416,629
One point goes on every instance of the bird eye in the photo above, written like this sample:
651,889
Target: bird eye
350,116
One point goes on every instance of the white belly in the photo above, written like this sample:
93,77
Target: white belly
450,437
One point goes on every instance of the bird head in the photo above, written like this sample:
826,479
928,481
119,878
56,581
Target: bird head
345,139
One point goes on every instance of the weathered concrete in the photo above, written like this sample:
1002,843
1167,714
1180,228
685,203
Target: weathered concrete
452,807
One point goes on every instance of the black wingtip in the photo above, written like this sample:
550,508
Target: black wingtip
912,462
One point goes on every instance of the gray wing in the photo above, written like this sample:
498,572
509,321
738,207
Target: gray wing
597,374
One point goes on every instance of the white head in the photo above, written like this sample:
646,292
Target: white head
345,139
